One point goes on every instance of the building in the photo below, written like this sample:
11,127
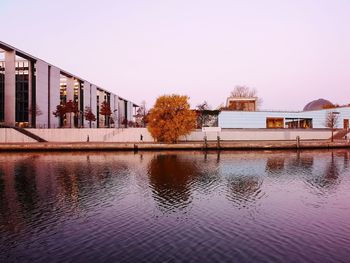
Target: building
242,103
283,119
31,89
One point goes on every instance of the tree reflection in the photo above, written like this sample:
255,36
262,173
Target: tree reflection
275,165
170,178
301,164
243,189
330,176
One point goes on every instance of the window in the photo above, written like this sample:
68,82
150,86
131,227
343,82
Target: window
2,91
274,123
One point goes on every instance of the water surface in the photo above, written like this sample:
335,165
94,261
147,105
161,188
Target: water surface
175,207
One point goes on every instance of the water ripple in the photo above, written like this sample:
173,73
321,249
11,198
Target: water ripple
183,207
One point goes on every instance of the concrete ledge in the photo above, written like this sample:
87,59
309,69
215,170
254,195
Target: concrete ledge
130,146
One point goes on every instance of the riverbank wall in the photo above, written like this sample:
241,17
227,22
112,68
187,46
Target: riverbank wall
134,135
222,145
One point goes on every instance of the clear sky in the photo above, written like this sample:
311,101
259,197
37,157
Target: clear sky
291,52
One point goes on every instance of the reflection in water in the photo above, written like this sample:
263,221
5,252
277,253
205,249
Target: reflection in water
328,177
300,164
244,189
170,177
275,164
25,184
126,207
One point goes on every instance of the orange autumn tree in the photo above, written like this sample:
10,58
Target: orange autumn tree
171,118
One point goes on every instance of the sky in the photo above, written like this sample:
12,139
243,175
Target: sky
291,52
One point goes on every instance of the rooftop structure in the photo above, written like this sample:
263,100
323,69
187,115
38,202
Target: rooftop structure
242,103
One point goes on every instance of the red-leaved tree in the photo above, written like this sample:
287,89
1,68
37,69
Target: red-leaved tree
106,112
89,115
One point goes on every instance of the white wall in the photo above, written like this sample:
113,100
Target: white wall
70,89
13,136
257,134
10,84
133,135
42,85
94,103
257,119
54,95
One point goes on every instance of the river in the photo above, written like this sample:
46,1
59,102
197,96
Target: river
252,206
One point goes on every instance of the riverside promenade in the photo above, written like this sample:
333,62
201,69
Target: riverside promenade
200,145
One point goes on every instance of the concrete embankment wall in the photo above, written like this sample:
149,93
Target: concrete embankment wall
134,134
260,135
11,135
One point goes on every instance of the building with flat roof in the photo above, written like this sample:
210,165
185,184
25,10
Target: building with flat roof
31,89
316,119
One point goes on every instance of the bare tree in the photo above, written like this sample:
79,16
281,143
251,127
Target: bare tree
35,110
246,92
202,116
332,120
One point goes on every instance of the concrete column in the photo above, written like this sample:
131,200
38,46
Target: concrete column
112,105
93,104
31,77
70,89
130,111
10,87
42,93
54,95
87,101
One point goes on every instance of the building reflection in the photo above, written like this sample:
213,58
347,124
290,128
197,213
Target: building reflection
300,164
33,188
170,178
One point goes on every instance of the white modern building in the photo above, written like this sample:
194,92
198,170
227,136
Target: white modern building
31,89
283,119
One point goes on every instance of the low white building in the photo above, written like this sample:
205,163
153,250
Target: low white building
283,119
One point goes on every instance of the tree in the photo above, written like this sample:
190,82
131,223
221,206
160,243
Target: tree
243,92
60,112
125,122
332,119
171,118
246,92
106,112
36,110
330,106
89,116
71,108
202,116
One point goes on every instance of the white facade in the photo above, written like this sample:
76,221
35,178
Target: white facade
257,119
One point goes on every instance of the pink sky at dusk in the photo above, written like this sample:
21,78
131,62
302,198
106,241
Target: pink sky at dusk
291,52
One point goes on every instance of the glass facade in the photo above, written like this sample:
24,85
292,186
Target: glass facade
98,110
2,91
81,104
78,99
22,93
